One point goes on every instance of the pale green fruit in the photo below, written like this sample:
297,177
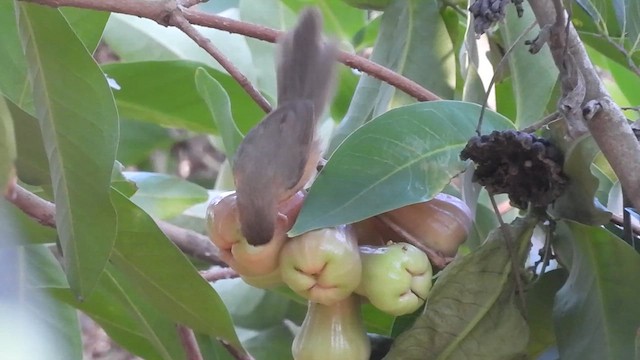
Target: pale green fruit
396,278
322,265
332,332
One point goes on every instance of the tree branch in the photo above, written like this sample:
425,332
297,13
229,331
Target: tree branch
604,119
178,20
189,343
160,11
44,212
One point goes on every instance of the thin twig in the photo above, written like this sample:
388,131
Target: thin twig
493,78
160,12
43,211
218,273
554,116
508,239
235,352
177,19
189,343
619,221
190,3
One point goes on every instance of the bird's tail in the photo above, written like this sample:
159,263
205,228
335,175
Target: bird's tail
306,63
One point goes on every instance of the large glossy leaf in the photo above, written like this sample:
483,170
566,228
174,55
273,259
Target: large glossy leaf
164,276
32,164
163,92
7,145
127,318
472,307
413,37
164,196
540,299
79,124
403,157
578,201
219,105
87,24
527,69
138,39
596,312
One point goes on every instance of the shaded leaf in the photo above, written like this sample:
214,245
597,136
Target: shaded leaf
340,19
405,156
17,225
533,76
412,37
32,164
87,24
138,39
219,105
250,307
540,299
164,196
79,124
138,140
163,92
142,252
595,313
471,308
271,344
578,201
13,77
7,146
127,318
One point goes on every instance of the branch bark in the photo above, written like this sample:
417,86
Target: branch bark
160,11
188,241
603,118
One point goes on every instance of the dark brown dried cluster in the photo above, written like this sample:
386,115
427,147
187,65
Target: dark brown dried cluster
527,168
488,12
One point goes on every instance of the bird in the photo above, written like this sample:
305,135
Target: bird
280,154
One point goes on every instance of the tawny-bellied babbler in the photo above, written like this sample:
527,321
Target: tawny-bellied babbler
279,156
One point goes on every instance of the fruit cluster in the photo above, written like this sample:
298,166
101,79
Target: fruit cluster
335,268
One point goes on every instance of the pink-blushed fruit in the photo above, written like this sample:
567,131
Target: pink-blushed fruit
322,265
256,264
441,224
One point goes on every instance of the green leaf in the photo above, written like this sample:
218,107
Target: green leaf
527,69
13,77
251,307
405,156
7,146
596,312
138,140
340,19
271,344
471,311
219,105
79,124
540,299
56,324
17,225
138,39
32,164
87,24
129,320
273,14
413,37
164,276
163,92
164,196
578,201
